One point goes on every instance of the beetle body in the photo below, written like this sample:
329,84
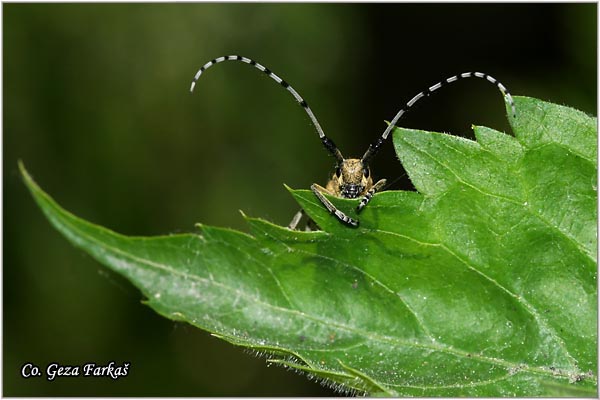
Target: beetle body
352,178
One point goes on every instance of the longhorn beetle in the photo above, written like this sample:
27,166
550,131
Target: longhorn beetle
352,177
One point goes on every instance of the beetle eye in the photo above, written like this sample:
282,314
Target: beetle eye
366,172
338,172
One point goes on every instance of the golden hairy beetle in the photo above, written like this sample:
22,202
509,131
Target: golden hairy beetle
352,177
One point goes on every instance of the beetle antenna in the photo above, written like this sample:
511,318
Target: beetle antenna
374,147
328,143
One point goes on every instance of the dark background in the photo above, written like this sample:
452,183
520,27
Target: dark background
96,104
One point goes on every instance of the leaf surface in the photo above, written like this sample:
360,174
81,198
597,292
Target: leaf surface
481,284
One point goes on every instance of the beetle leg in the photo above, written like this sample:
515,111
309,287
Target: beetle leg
367,197
319,192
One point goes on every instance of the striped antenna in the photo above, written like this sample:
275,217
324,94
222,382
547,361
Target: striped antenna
329,145
373,148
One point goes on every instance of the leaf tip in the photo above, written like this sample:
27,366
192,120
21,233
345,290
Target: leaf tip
246,217
23,171
292,191
289,189
27,179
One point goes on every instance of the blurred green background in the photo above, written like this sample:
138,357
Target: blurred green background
96,104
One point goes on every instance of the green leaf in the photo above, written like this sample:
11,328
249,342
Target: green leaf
481,284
